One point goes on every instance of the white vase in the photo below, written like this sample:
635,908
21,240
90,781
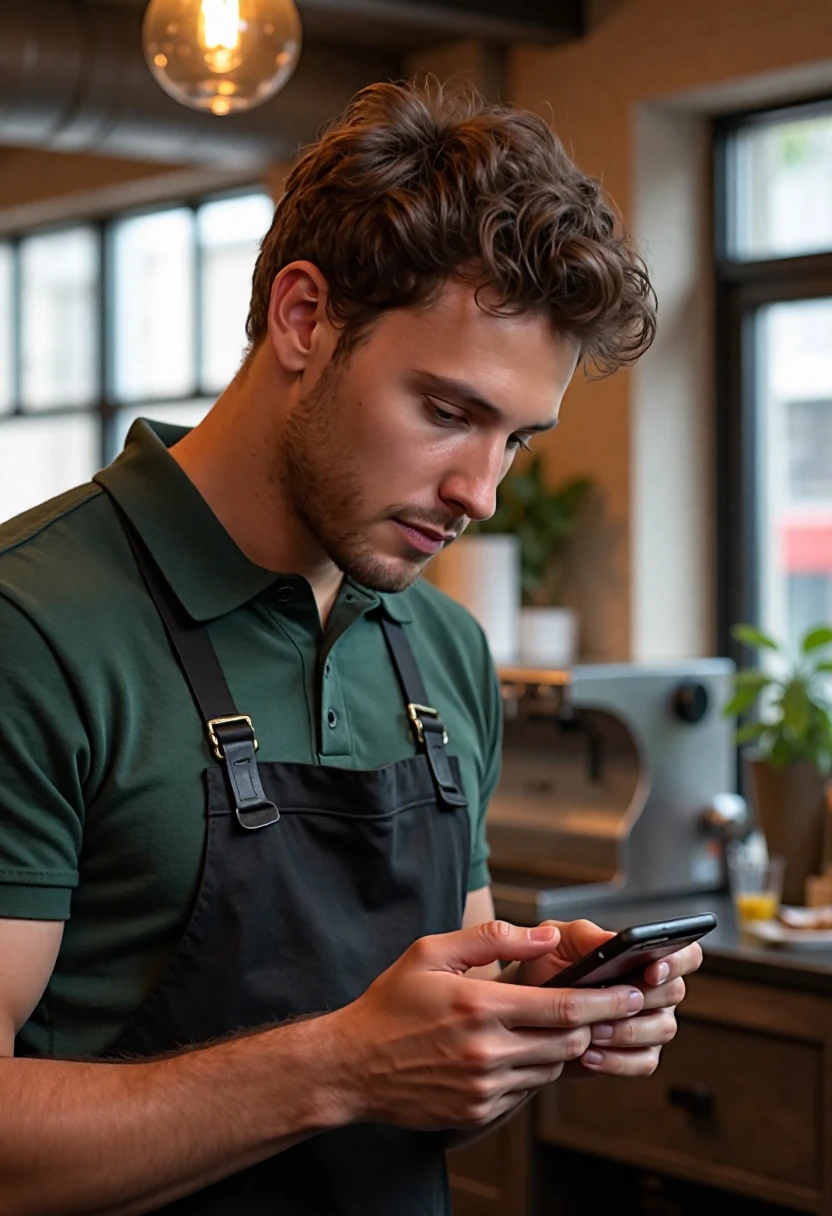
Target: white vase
483,573
548,636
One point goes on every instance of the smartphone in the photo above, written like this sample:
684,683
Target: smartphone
624,957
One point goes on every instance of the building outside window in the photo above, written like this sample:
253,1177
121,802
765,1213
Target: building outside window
774,290
101,323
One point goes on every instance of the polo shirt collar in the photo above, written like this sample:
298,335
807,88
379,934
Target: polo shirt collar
396,604
205,568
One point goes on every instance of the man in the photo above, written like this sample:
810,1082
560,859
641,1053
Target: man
234,980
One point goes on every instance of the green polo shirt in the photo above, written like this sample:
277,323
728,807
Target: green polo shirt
102,817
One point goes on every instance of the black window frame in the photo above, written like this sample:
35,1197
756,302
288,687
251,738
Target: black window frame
106,408
741,288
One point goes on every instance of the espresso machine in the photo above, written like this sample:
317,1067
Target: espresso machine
618,783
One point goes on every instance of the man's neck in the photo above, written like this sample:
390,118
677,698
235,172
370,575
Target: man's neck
234,474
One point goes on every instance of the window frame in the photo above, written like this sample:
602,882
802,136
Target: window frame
741,288
106,407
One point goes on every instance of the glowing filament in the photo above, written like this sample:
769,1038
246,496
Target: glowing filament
219,25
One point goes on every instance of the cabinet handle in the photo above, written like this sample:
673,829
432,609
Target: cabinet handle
696,1099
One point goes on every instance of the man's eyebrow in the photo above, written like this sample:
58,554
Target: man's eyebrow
460,392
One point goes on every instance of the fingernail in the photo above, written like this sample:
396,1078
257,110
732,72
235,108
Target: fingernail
593,1057
635,999
543,933
602,1031
664,972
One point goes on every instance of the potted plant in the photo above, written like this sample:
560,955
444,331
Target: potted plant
542,520
788,756
483,573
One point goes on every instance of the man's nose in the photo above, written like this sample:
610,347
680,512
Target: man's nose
472,484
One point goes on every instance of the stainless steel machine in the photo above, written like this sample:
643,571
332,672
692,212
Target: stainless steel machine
618,782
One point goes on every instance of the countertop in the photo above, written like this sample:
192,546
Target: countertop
726,952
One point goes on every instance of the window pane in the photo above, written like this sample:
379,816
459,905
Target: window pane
230,232
783,196
42,457
6,328
153,305
795,465
809,446
179,413
59,284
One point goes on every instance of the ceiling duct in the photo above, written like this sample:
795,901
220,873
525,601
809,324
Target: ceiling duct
73,79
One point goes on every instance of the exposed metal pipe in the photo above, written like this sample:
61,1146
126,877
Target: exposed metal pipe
73,79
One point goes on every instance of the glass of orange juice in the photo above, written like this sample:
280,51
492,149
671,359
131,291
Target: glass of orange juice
756,885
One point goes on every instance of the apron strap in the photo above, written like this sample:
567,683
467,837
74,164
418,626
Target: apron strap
427,726
230,733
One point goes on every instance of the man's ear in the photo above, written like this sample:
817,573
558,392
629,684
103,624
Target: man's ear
298,323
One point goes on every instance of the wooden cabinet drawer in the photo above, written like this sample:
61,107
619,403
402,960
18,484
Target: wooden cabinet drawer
491,1176
731,1097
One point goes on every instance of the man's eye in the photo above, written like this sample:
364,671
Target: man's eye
517,441
444,417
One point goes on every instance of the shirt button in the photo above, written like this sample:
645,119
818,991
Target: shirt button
332,718
285,594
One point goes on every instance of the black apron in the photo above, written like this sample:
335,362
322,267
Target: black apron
315,879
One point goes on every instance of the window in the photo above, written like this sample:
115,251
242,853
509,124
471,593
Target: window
782,174
809,442
101,323
59,300
774,312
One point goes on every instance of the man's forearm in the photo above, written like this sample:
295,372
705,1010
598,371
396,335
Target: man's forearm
124,1139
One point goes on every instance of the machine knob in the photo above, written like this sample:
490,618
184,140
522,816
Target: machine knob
728,817
690,701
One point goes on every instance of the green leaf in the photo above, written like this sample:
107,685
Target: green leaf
753,637
825,733
781,753
752,731
825,666
571,497
742,700
797,709
543,520
752,679
524,490
816,638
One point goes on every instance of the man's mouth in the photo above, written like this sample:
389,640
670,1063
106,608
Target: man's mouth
423,537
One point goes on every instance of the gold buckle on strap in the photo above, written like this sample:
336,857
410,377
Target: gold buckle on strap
413,713
216,746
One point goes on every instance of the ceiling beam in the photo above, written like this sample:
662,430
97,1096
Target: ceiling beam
544,21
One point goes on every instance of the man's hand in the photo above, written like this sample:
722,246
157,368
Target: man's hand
627,1047
429,1047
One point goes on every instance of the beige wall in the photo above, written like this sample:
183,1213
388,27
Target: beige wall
631,102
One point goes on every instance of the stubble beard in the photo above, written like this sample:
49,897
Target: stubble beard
323,490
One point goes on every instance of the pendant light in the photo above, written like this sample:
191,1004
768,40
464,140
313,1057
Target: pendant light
221,55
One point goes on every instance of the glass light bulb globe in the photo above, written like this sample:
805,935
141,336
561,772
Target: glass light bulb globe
221,55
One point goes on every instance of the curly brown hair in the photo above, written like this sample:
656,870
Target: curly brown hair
416,184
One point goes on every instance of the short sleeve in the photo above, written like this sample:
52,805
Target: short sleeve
43,756
492,743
